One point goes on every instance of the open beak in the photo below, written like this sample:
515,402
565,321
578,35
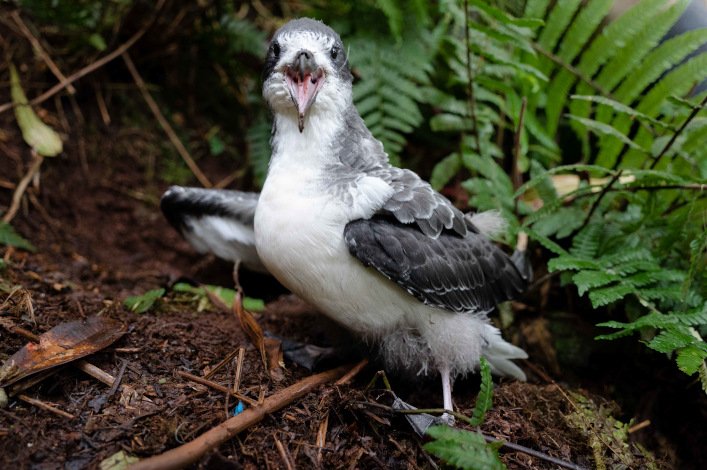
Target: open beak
304,79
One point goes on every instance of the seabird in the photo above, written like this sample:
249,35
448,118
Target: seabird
372,246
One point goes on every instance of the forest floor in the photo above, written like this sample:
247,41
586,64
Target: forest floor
100,238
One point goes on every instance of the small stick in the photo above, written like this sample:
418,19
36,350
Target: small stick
41,52
45,406
321,437
284,454
96,372
637,427
181,149
194,450
239,369
22,187
221,363
216,386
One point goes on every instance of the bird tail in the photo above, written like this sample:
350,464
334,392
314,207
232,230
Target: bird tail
500,354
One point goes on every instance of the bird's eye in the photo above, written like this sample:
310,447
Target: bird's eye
334,52
276,49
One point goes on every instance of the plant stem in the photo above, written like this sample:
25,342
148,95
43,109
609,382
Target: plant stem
672,140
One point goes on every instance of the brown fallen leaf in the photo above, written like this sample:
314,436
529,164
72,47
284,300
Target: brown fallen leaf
64,343
250,327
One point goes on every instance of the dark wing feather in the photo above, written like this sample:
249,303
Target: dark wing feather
461,274
179,203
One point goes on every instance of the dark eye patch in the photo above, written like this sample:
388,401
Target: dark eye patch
334,52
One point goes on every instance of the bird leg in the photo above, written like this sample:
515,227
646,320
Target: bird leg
447,394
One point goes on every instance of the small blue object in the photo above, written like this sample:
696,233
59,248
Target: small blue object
238,409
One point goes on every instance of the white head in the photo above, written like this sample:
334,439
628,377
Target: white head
306,71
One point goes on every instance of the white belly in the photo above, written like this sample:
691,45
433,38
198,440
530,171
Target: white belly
299,237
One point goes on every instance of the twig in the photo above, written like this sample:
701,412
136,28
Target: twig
193,450
239,369
22,187
41,52
91,67
670,143
284,454
470,79
221,363
321,437
637,427
45,406
595,205
118,379
216,386
181,149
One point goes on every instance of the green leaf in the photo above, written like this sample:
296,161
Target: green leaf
143,303
462,449
225,294
603,129
691,358
445,170
9,237
671,339
40,137
484,399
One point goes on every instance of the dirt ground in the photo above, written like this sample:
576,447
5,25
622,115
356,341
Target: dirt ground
100,237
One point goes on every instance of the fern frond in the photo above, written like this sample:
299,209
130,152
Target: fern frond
259,151
608,295
445,170
536,8
586,280
586,243
484,400
545,241
576,38
603,130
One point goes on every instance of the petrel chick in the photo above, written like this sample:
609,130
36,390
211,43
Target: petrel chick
372,246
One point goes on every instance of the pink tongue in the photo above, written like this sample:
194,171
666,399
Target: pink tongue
303,91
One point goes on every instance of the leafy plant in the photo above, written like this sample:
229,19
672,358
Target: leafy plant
9,237
143,303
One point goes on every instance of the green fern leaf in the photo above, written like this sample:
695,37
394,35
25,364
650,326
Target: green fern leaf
463,449
545,241
660,60
445,170
9,237
576,38
691,358
608,295
571,263
671,339
586,280
556,24
536,8
484,400
621,108
603,129
259,151
586,243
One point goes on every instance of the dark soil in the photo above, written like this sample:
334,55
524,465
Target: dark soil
100,237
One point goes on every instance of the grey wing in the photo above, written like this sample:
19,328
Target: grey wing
460,274
215,221
414,201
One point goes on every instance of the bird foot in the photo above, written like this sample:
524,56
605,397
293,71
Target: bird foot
447,419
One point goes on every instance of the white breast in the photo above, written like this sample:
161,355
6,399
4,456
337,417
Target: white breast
299,229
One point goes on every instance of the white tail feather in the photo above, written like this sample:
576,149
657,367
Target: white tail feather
500,353
490,223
